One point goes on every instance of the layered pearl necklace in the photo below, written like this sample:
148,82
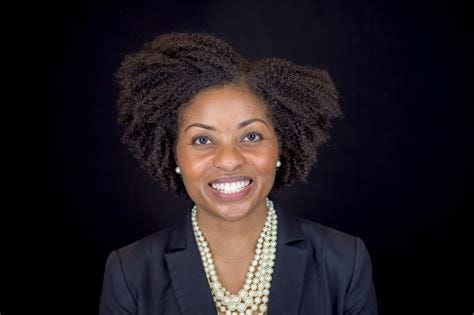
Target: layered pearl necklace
254,295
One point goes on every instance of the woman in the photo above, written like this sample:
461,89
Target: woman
225,132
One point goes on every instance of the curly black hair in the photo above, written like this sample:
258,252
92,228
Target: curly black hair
156,83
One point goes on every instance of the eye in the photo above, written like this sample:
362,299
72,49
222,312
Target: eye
252,137
201,140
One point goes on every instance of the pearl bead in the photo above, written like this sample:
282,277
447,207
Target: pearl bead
254,295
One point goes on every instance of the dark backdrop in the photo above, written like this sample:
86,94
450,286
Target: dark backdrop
396,171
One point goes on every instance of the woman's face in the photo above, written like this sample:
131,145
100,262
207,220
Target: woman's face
227,149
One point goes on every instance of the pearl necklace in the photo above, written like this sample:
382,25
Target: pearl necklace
254,295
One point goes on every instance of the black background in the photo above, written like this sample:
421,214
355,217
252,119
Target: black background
397,170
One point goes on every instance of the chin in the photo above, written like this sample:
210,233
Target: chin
232,206
235,212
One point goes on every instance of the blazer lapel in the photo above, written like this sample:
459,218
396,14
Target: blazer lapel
290,266
190,283
187,273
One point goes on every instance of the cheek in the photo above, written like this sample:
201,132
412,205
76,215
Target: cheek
265,166
264,162
193,165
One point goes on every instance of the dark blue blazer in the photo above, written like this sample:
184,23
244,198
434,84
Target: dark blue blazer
318,270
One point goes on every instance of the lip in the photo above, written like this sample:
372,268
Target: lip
234,196
230,179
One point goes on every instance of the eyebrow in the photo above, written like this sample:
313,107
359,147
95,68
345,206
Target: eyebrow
204,126
240,125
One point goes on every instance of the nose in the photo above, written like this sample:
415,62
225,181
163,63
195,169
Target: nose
228,158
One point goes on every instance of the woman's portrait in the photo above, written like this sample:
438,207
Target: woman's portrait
226,132
254,157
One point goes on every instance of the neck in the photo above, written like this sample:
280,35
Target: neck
234,241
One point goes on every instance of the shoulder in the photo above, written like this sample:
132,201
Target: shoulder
141,252
340,254
130,269
330,238
133,261
344,261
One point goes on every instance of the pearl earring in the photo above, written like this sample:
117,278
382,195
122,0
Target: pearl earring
278,164
177,170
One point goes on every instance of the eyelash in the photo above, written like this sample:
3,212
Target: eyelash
259,137
196,139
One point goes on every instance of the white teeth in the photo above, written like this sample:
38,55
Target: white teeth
230,188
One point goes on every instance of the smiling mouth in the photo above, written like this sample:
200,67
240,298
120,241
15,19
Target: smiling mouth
231,187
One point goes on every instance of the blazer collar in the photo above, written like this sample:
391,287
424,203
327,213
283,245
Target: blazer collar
290,266
189,279
187,273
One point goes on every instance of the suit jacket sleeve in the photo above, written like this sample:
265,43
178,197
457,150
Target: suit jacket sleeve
116,297
360,295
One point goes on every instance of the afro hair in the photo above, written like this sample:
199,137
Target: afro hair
159,80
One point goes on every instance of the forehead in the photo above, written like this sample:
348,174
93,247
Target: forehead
225,104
